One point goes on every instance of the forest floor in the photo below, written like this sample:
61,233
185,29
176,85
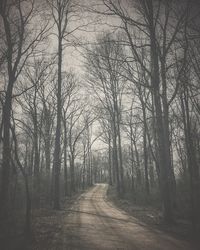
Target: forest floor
47,226
181,229
92,220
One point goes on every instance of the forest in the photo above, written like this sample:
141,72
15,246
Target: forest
98,91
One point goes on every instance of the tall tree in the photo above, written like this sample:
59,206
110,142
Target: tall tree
16,18
61,11
104,64
157,36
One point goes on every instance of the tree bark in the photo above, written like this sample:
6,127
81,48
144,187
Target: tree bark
110,160
57,160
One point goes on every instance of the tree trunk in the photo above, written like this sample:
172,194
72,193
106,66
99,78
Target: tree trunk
72,173
84,167
27,228
138,170
132,163
36,169
115,157
65,159
110,160
6,154
145,153
57,160
120,160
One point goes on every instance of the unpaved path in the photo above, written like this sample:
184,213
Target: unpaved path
95,223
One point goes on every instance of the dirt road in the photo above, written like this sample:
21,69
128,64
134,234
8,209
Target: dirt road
95,223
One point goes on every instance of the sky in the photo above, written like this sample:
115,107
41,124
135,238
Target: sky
96,25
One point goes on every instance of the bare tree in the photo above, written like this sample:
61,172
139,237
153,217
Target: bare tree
16,17
62,11
152,23
104,64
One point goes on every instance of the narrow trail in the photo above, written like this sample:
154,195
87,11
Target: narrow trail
95,223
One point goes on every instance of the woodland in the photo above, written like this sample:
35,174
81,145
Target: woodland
101,91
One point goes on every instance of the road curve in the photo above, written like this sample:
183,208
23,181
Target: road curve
95,223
